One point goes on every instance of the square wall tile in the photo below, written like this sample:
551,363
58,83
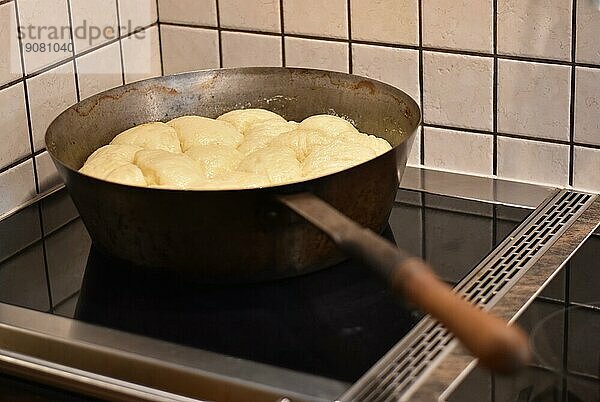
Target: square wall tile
50,94
57,210
316,17
189,49
245,50
261,15
48,177
397,67
458,90
195,12
17,186
94,22
534,99
458,24
310,53
52,15
414,157
458,151
535,28
141,55
586,170
136,14
588,21
533,161
389,21
587,105
10,64
14,135
99,70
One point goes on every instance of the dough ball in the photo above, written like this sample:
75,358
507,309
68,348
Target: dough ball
215,159
243,119
253,143
379,145
278,164
303,141
334,157
150,136
237,180
127,174
196,130
261,134
170,169
330,124
119,152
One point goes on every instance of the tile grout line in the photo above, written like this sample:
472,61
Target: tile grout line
160,50
349,22
573,93
27,105
495,88
421,81
219,34
282,28
72,37
121,43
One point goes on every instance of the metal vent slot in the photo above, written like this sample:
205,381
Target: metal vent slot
400,369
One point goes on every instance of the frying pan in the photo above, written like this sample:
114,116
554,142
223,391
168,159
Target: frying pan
266,233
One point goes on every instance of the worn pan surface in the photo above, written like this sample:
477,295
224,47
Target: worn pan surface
242,235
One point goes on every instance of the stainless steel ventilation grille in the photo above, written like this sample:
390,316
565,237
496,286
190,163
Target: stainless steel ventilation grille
420,350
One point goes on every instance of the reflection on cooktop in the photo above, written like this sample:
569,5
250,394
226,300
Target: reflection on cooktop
337,322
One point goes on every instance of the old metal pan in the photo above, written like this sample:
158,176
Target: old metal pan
265,233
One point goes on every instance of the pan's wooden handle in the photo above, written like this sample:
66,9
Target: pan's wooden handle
498,346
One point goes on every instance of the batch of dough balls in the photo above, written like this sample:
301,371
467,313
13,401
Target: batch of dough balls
240,149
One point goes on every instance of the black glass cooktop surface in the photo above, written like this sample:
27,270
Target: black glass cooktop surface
335,323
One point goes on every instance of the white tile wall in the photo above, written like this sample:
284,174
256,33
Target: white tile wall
14,135
388,21
458,151
188,49
49,94
588,21
587,169
17,186
134,14
101,15
100,70
260,15
141,59
587,105
534,99
458,24
47,174
316,17
311,53
10,64
248,50
458,90
195,12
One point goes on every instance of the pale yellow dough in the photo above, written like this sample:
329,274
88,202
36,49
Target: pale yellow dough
240,149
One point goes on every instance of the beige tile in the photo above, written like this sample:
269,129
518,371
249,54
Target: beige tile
17,186
134,14
536,28
262,15
458,151
458,90
390,21
320,54
458,24
586,169
94,22
99,70
587,105
10,64
245,50
533,161
48,177
533,99
397,67
189,49
47,19
588,21
49,94
196,12
316,17
14,135
414,157
141,55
